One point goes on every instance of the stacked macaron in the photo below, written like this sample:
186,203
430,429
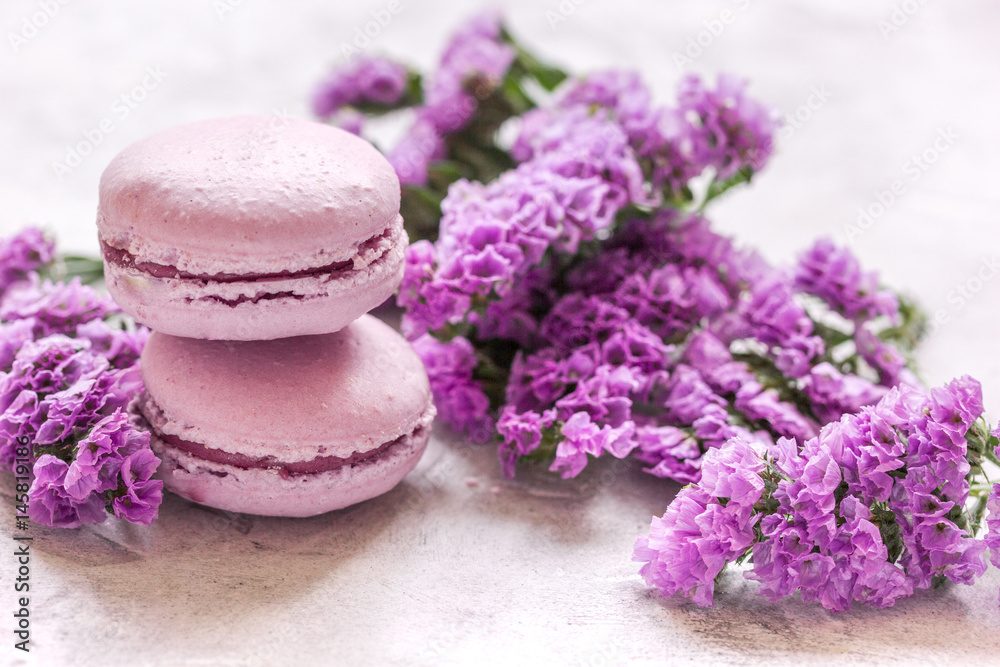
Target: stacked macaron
253,249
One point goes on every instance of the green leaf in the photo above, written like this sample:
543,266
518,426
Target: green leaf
549,77
718,188
89,270
421,211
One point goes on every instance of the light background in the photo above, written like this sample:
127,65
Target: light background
440,571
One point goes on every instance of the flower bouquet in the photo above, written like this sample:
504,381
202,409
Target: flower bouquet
571,300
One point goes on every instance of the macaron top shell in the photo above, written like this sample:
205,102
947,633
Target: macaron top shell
293,399
247,193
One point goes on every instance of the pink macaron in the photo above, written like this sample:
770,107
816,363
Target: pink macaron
250,228
290,427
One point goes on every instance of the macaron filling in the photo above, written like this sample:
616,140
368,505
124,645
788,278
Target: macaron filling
368,252
286,468
318,464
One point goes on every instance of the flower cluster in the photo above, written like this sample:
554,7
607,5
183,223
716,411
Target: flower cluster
581,302
452,115
869,510
566,292
459,400
473,64
472,67
721,128
992,538
364,81
112,471
22,255
492,236
679,340
68,369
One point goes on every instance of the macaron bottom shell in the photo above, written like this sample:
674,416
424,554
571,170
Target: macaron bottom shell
271,492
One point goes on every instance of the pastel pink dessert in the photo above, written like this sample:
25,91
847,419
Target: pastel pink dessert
250,228
290,427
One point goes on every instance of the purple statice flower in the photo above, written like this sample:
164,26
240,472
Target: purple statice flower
121,346
781,416
604,395
493,235
688,396
576,320
141,498
671,299
936,481
459,398
582,438
49,504
73,411
100,455
833,393
622,92
421,145
522,434
662,138
722,128
472,66
992,537
582,143
674,149
734,379
111,469
862,512
41,369
22,255
772,317
363,80
114,462
55,307
707,525
12,336
537,380
513,316
736,130
671,452
883,357
834,275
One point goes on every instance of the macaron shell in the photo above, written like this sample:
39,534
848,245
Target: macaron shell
257,310
266,492
246,194
293,398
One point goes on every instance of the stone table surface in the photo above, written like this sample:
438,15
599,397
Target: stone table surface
456,565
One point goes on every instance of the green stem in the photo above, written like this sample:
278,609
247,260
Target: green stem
89,270
717,188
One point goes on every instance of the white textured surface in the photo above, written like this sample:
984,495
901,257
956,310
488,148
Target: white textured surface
454,565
